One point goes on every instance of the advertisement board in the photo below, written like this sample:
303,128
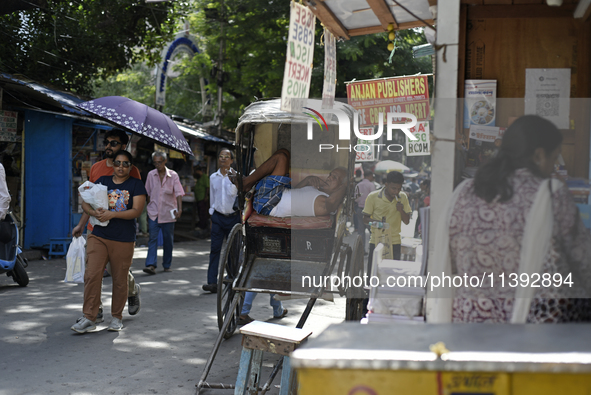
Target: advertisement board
397,94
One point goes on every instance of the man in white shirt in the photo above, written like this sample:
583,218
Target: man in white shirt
311,197
4,194
222,194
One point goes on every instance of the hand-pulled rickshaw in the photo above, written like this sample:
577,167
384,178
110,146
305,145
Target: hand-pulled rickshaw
268,254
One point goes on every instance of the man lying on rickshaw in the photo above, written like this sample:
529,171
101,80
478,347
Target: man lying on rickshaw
309,198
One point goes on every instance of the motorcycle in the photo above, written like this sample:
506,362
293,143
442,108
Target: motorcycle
11,261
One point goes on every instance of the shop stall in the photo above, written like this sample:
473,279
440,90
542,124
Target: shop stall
422,359
48,146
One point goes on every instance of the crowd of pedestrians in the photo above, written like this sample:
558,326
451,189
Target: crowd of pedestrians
487,227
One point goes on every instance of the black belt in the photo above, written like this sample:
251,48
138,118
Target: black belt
227,215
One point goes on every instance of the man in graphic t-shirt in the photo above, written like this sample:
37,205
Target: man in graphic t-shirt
115,140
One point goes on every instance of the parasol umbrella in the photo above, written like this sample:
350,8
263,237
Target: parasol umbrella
140,119
390,165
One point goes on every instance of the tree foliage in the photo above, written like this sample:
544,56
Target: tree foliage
255,43
68,43
255,36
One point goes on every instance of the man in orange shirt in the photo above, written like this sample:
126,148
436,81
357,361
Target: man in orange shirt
115,140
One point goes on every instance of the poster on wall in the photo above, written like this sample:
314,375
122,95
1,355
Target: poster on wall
480,101
547,94
299,57
422,146
399,94
330,70
8,126
368,155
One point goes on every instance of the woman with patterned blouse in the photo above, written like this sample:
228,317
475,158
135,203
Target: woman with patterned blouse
487,223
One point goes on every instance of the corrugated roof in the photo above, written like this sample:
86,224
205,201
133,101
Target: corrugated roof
39,97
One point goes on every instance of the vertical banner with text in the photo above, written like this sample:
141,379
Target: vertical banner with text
8,126
397,94
298,62
369,155
422,146
330,70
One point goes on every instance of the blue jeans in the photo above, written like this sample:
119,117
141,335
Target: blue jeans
249,298
221,226
168,236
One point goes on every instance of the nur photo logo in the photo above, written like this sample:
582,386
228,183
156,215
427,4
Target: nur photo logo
394,121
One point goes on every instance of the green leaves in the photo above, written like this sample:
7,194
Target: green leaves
68,43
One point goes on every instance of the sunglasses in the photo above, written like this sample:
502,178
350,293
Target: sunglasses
118,163
112,143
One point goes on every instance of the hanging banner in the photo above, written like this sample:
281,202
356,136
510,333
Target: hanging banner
330,70
298,62
369,155
399,94
422,146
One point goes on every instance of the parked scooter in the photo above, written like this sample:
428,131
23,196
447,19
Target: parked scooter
11,261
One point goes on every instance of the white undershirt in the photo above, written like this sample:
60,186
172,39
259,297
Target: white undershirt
297,202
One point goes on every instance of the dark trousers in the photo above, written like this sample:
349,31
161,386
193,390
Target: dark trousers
203,213
358,223
395,255
221,226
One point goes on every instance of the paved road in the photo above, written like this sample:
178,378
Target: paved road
161,350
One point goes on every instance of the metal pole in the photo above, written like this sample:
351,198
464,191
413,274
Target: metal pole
445,123
221,66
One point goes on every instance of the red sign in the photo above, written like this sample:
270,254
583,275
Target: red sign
398,94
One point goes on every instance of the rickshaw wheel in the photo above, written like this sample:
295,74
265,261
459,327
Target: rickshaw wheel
232,258
19,274
355,295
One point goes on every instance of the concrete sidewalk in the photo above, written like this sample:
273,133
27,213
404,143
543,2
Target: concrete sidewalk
161,350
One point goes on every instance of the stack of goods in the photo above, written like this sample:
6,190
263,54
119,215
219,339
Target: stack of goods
580,189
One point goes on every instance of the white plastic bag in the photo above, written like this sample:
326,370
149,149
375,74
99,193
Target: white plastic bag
97,196
76,261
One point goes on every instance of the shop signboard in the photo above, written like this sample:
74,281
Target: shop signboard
422,146
398,94
299,57
8,126
330,70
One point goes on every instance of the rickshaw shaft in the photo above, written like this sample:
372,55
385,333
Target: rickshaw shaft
202,383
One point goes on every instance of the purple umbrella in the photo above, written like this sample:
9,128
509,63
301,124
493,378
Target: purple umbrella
139,118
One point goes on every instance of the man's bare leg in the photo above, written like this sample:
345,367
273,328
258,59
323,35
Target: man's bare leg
276,165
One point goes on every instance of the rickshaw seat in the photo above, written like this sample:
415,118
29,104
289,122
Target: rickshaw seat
320,222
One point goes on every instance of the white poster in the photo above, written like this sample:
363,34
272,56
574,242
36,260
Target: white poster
480,101
422,146
366,149
330,70
298,62
547,94
485,133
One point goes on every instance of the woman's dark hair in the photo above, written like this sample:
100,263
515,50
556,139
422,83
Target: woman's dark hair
395,177
126,153
520,141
